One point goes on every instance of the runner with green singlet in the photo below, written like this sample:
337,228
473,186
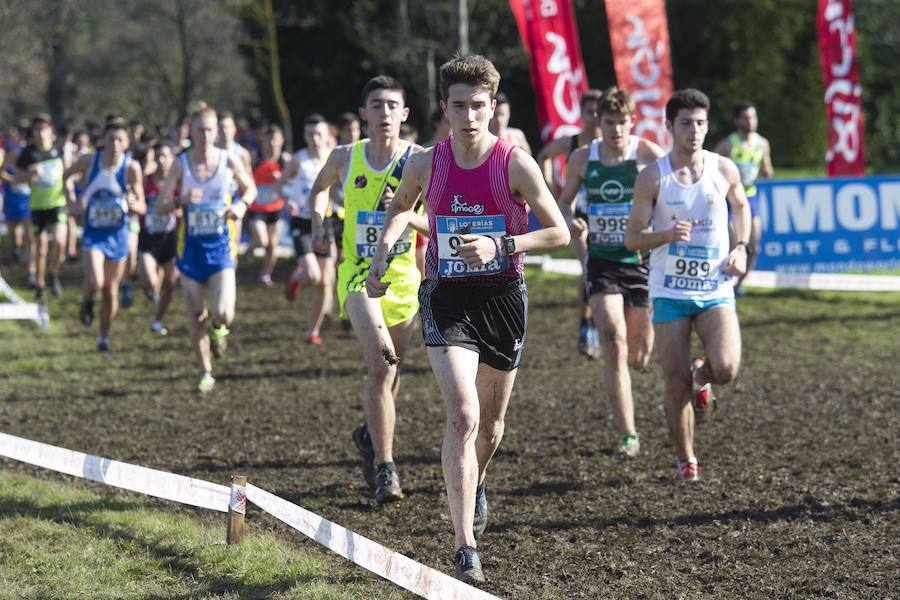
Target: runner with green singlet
369,172
615,277
41,165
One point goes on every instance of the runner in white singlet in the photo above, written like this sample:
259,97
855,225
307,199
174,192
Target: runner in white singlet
684,199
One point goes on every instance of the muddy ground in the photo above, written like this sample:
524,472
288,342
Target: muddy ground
801,490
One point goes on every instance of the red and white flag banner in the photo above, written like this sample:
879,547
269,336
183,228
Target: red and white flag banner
548,31
639,35
843,92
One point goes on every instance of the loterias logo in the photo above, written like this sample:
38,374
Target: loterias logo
360,181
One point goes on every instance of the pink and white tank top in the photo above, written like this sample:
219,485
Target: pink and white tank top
478,201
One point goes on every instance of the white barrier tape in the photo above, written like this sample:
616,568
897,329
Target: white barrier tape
10,293
20,312
151,482
835,282
405,572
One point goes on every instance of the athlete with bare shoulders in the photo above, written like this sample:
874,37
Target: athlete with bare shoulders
113,196
588,338
370,171
753,156
474,303
684,198
206,244
615,278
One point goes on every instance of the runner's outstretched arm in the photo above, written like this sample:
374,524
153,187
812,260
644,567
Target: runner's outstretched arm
318,195
399,215
165,203
77,170
736,263
245,184
575,167
527,184
134,177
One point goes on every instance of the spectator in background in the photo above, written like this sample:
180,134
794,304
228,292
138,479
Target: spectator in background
499,125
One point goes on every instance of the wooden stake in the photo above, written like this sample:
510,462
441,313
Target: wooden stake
237,508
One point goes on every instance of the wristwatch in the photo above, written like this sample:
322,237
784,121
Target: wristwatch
742,243
509,245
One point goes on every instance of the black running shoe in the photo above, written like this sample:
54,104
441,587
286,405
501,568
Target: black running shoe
102,344
126,298
468,565
387,484
481,511
55,286
39,294
87,311
364,445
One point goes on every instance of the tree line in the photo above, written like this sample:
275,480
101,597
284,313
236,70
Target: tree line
152,58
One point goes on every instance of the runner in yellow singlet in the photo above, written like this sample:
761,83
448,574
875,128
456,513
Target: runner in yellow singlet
370,171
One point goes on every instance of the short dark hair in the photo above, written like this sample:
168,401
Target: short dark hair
314,119
227,114
688,98
591,95
40,119
471,69
382,82
616,101
114,125
347,118
501,98
739,107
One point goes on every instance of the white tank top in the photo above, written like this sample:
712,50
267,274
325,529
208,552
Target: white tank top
630,152
106,179
692,270
215,189
302,184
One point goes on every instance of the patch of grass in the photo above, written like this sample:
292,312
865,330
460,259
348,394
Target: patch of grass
58,541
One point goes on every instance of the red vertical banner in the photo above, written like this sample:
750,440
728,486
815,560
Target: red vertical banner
843,92
639,35
550,37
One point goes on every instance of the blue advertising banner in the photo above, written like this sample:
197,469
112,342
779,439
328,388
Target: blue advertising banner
830,225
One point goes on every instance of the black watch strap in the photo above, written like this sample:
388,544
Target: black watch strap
509,245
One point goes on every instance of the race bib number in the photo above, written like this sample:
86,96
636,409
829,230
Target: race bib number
369,224
449,232
105,212
51,173
692,268
266,195
749,172
607,223
206,219
156,223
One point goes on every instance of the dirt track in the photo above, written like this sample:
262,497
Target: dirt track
801,496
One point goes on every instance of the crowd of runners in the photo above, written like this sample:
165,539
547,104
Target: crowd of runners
386,231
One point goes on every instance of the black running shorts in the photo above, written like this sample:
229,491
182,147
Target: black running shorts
489,320
301,234
609,277
162,246
43,220
269,218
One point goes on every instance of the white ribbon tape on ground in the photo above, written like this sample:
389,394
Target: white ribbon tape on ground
405,572
161,484
19,309
836,282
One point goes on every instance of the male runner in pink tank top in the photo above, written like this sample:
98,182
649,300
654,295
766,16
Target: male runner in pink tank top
473,302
